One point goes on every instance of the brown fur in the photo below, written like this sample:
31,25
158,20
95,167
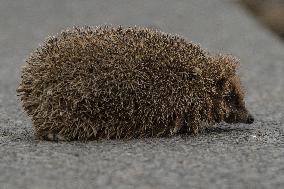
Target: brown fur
106,82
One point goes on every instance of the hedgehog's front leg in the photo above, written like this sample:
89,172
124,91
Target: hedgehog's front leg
195,127
192,123
177,124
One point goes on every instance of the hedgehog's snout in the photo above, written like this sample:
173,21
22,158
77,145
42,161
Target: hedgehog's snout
240,116
247,119
250,119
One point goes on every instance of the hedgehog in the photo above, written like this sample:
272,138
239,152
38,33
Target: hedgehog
106,82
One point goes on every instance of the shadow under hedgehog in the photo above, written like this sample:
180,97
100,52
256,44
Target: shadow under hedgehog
111,83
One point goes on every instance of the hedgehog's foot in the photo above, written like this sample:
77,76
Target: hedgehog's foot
195,130
53,137
196,127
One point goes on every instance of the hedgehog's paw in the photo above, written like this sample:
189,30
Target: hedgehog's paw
53,137
195,129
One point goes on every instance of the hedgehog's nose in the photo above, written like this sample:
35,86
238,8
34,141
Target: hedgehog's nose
250,119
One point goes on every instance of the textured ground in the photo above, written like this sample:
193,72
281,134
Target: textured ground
240,156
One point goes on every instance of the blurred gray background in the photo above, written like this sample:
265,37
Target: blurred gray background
269,12
227,156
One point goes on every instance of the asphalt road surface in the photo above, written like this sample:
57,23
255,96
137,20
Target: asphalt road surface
227,156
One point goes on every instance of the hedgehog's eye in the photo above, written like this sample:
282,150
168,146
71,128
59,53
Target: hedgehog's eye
221,83
232,99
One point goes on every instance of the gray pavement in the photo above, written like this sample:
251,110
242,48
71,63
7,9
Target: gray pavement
227,156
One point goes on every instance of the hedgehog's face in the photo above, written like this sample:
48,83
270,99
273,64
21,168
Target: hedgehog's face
234,104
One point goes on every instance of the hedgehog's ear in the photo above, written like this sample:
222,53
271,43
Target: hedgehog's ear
231,64
228,65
